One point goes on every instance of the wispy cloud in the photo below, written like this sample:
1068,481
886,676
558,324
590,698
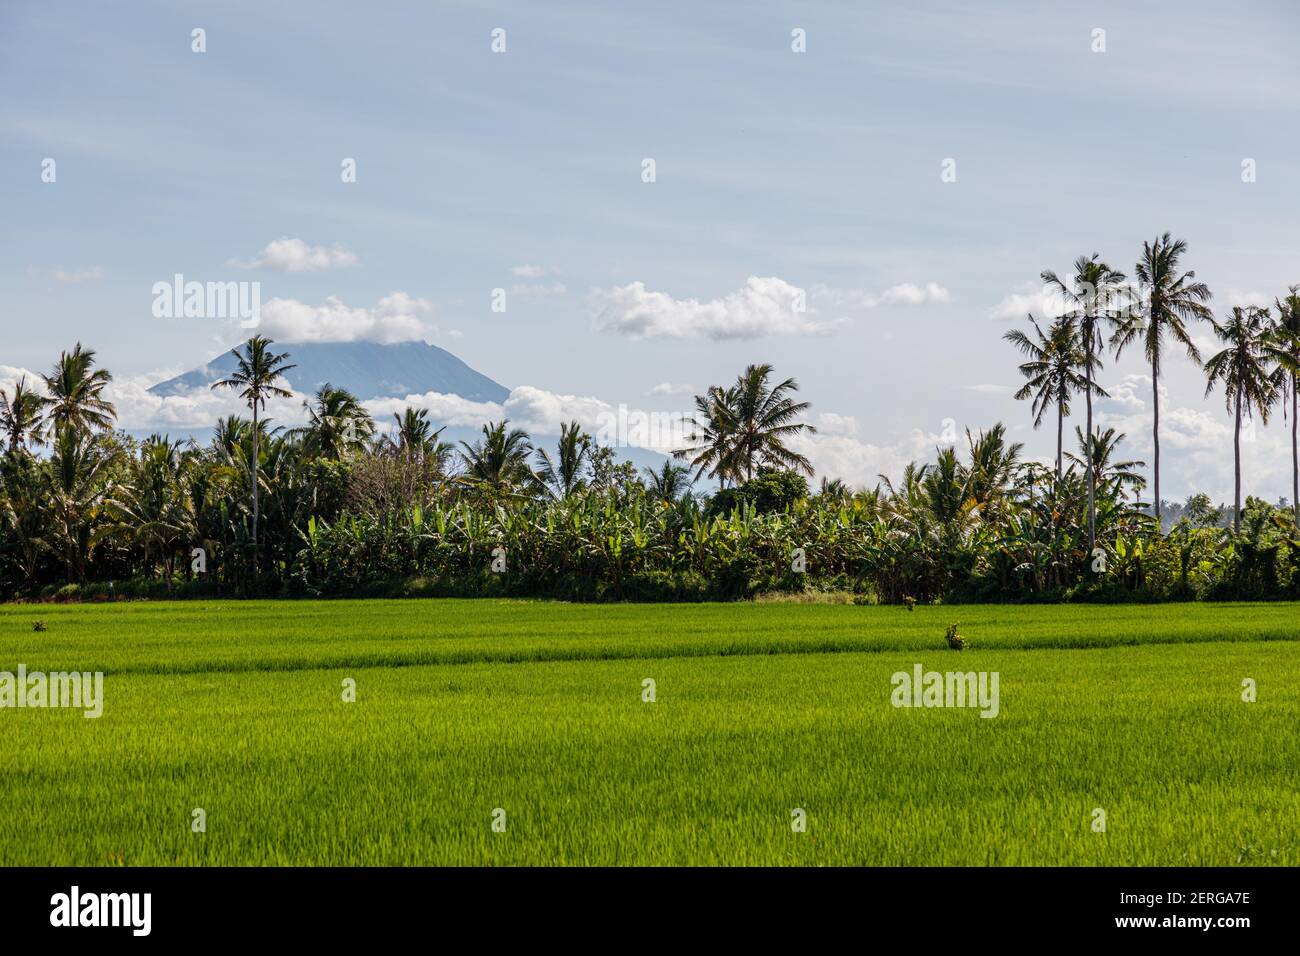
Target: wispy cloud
764,306
529,272
538,289
91,274
295,255
672,388
902,294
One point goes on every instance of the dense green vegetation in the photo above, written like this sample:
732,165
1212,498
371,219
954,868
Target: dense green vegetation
337,508
236,708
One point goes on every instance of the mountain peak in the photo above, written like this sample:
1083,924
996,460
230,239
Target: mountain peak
366,369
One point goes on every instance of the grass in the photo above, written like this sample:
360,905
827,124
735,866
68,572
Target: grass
464,707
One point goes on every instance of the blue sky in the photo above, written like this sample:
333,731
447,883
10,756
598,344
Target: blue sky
815,171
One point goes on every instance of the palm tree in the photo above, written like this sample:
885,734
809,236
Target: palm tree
1105,473
1248,381
337,424
499,461
711,435
25,515
991,473
1288,330
562,476
416,440
21,416
834,489
76,390
255,376
947,487
154,509
76,489
1051,372
1168,300
1096,296
229,435
765,416
413,432
669,483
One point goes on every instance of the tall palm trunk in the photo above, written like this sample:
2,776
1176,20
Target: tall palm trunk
1092,475
1155,439
1295,457
257,460
1060,434
1236,454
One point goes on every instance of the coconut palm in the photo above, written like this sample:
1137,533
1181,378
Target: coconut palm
947,487
765,416
415,439
1167,301
990,476
24,515
1288,330
1244,368
834,489
1096,297
22,416
154,508
255,376
75,492
1052,371
76,392
711,434
229,435
499,460
669,483
562,476
1111,476
337,424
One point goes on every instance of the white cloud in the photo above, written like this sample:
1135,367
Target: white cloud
1195,443
1040,302
1244,298
985,388
905,293
294,255
529,272
1206,344
138,410
538,289
80,275
1130,394
672,388
909,294
11,374
443,409
765,306
831,423
535,409
860,463
397,317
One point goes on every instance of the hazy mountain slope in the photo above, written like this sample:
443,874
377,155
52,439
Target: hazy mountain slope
366,369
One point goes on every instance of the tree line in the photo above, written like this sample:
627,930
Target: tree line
338,506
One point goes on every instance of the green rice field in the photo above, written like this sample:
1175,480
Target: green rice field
531,716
